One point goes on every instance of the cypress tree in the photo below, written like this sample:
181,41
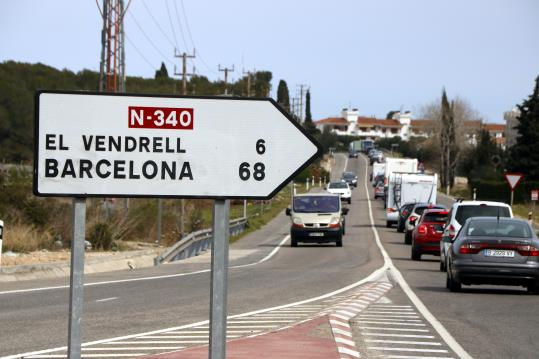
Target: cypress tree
524,155
283,97
308,115
162,73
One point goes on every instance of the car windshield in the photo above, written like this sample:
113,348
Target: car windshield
420,209
435,217
315,204
464,212
338,185
348,175
498,229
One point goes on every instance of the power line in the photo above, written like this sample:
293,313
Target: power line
171,24
209,68
157,23
226,70
180,25
149,40
139,52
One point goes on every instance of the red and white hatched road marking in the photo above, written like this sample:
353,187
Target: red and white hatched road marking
340,317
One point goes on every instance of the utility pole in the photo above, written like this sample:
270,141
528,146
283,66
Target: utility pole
226,70
249,74
301,86
184,56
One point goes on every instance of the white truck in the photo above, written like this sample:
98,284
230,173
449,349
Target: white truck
377,169
409,187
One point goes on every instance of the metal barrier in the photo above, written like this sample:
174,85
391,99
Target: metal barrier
196,242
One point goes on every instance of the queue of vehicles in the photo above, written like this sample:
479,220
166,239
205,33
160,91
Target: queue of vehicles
478,242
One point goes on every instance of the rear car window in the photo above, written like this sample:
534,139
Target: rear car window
420,209
464,212
338,185
316,204
435,217
498,229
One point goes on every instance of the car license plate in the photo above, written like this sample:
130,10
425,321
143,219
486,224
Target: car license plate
499,253
316,234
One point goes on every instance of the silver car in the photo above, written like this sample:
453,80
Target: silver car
494,250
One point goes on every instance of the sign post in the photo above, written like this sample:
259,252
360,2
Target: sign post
76,283
126,145
1,239
513,179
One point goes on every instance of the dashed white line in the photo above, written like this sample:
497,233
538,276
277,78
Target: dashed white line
394,323
409,349
436,344
395,329
106,299
368,334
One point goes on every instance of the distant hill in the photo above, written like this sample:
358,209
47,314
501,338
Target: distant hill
19,81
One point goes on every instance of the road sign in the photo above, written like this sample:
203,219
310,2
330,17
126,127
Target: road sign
513,179
118,145
535,194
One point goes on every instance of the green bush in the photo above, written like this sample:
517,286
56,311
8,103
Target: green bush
101,236
500,191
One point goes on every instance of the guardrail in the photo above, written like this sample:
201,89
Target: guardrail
196,242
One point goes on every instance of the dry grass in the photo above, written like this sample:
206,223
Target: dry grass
24,238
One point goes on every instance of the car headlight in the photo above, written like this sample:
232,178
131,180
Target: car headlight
335,220
297,220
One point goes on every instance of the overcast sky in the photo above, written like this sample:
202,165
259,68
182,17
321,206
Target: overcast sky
377,55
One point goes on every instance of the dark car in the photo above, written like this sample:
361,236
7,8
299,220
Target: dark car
428,232
350,178
353,154
494,250
404,212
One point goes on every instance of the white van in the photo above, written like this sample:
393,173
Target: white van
316,218
408,187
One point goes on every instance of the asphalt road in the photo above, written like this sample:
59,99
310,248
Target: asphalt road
38,320
489,322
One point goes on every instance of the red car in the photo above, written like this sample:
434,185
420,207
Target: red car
427,233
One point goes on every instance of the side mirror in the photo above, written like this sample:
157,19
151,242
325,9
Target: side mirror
345,211
288,212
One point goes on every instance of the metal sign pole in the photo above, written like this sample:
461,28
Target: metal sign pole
77,278
219,274
512,194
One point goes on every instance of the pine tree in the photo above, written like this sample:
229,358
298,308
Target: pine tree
524,154
162,73
283,97
308,115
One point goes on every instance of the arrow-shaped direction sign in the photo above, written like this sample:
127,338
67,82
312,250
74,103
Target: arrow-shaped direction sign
112,145
513,179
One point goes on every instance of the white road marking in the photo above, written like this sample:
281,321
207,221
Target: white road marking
157,342
131,348
446,336
341,332
435,344
258,321
413,357
106,299
393,323
395,329
368,334
391,306
382,319
409,349
345,341
348,351
391,311
389,316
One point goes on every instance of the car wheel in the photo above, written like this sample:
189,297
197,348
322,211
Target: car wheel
338,242
388,224
533,288
442,266
407,237
293,242
451,283
349,200
343,229
416,255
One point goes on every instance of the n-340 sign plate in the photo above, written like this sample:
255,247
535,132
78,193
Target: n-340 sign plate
94,144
